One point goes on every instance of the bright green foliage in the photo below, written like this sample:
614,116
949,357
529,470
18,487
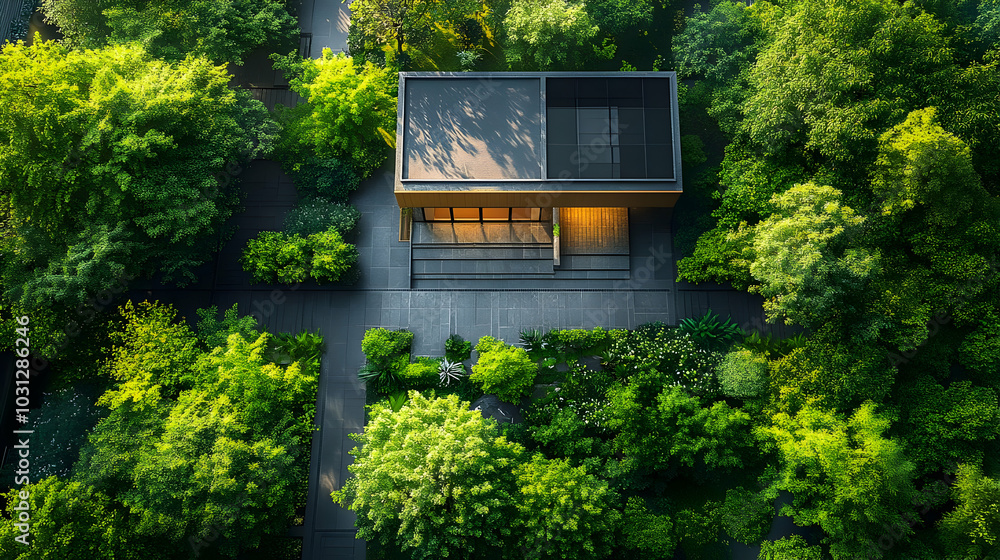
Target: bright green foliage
973,527
316,215
649,533
697,528
620,17
921,165
382,346
806,269
837,73
214,332
115,164
942,426
421,374
563,512
226,455
845,476
327,179
433,478
504,370
674,355
278,257
658,427
709,333
746,516
153,349
834,376
576,340
550,35
789,548
350,115
222,30
743,374
68,521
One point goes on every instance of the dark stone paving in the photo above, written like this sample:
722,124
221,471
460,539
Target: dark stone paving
383,297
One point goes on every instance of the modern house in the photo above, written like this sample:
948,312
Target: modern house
521,148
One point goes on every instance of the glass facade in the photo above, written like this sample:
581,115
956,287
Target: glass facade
482,214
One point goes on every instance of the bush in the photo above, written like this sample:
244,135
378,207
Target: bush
276,257
746,515
577,340
214,332
327,179
423,373
789,548
743,374
503,370
710,333
667,351
457,349
316,215
382,346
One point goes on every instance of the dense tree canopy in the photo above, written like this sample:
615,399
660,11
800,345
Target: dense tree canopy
222,30
114,165
556,35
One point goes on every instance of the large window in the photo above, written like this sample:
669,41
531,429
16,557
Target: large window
608,128
482,214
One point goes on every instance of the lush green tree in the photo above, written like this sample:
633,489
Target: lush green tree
717,45
973,526
789,548
402,25
660,427
620,17
563,512
350,115
114,164
836,74
746,516
68,521
433,478
804,262
651,534
220,460
551,35
504,370
222,30
943,426
844,475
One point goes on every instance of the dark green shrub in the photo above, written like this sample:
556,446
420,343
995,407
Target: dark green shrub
325,178
503,370
742,374
667,351
650,534
746,516
710,333
214,332
317,215
382,346
381,379
772,347
276,257
457,349
423,373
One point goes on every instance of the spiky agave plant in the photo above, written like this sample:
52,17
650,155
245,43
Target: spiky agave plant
450,371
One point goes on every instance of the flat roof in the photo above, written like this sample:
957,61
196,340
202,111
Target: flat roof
457,128
537,132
